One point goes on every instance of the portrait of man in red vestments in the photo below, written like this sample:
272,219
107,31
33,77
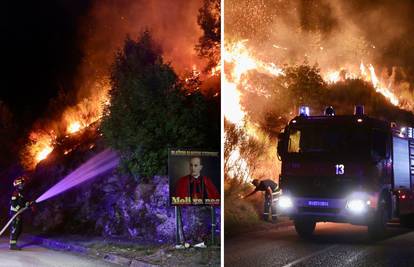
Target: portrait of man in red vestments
195,188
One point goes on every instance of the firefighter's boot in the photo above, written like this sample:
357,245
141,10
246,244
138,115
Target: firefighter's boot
13,246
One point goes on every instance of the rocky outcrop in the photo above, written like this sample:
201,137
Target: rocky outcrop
118,206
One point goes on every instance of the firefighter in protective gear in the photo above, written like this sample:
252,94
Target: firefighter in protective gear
271,194
17,203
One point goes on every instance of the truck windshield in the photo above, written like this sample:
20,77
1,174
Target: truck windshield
329,140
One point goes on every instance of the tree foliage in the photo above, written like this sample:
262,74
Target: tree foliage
277,99
150,111
305,83
8,132
209,19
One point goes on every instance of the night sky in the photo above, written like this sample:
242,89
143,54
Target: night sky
41,51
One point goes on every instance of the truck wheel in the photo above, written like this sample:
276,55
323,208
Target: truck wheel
377,228
304,228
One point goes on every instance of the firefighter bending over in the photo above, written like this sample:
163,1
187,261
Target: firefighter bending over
271,193
17,203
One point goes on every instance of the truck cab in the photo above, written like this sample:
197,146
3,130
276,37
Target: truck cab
344,168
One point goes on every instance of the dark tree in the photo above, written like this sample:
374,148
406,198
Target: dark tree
209,20
8,132
151,111
306,85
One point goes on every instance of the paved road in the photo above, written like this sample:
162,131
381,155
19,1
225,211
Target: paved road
33,255
332,245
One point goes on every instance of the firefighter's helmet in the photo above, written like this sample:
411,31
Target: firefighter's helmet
20,181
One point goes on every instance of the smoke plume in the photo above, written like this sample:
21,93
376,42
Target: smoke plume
173,25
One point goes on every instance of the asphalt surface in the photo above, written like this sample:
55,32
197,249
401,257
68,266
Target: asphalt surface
33,255
332,245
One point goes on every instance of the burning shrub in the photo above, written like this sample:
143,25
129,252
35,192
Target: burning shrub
245,157
150,110
242,153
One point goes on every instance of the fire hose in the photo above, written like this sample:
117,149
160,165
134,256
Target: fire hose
12,218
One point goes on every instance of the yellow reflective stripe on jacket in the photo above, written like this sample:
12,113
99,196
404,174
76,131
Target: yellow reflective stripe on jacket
14,208
13,241
13,198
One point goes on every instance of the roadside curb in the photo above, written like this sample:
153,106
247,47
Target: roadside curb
108,257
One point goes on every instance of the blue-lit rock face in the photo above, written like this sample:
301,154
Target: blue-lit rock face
120,207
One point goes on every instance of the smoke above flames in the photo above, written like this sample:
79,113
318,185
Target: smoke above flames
346,39
355,44
173,25
333,33
102,32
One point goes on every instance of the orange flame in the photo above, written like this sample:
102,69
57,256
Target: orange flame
238,62
368,76
87,111
39,147
74,127
74,119
44,153
215,71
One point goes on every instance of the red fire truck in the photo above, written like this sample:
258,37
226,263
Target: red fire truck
350,168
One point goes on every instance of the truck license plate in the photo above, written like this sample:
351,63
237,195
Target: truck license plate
318,203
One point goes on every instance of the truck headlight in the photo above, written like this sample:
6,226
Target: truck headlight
285,202
356,205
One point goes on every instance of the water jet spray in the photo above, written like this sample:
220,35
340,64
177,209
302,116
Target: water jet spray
102,162
97,165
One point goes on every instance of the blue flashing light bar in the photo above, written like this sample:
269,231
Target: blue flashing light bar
304,111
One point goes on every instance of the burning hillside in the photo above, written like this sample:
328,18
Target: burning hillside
328,34
74,119
239,61
280,55
104,30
